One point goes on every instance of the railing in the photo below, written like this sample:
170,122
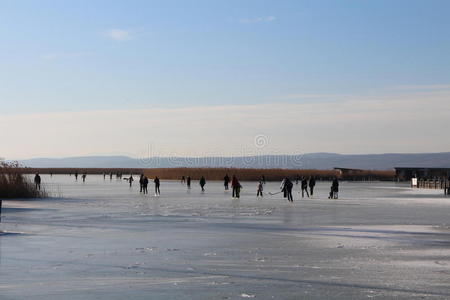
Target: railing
441,184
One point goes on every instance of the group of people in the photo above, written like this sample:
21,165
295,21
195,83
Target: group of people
286,185
83,176
143,183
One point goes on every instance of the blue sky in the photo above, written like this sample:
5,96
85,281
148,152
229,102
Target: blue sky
183,53
79,56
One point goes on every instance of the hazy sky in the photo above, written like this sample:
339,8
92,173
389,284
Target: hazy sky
212,77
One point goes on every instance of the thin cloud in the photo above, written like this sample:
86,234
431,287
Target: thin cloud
424,87
119,35
309,96
370,124
257,20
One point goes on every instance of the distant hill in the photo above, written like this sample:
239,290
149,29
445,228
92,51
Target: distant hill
322,161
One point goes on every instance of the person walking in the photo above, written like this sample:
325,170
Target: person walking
259,191
304,187
236,186
288,185
312,184
37,181
157,184
226,181
131,179
145,185
188,182
83,177
202,183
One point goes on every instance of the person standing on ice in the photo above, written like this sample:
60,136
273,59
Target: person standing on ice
141,183
37,181
259,190
131,179
157,183
304,187
312,184
334,193
188,182
236,186
226,181
288,185
202,183
145,185
83,177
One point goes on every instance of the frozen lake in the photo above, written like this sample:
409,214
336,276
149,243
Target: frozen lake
104,240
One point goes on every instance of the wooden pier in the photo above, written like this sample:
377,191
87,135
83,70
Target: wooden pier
426,178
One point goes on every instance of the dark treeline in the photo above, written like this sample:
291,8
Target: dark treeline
218,173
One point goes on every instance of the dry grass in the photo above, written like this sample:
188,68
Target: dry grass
270,174
13,183
218,173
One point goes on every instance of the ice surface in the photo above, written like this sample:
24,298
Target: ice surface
104,240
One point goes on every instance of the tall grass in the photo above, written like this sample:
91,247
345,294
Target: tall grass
13,184
269,174
218,173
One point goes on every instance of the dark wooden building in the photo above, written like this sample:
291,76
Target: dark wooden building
422,173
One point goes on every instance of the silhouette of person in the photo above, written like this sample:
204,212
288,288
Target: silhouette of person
76,176
288,185
263,179
110,176
188,182
202,183
37,181
145,185
334,193
312,184
183,179
141,183
259,190
236,186
304,187
131,179
84,177
157,184
226,181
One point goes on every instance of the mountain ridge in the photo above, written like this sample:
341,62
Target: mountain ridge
320,160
